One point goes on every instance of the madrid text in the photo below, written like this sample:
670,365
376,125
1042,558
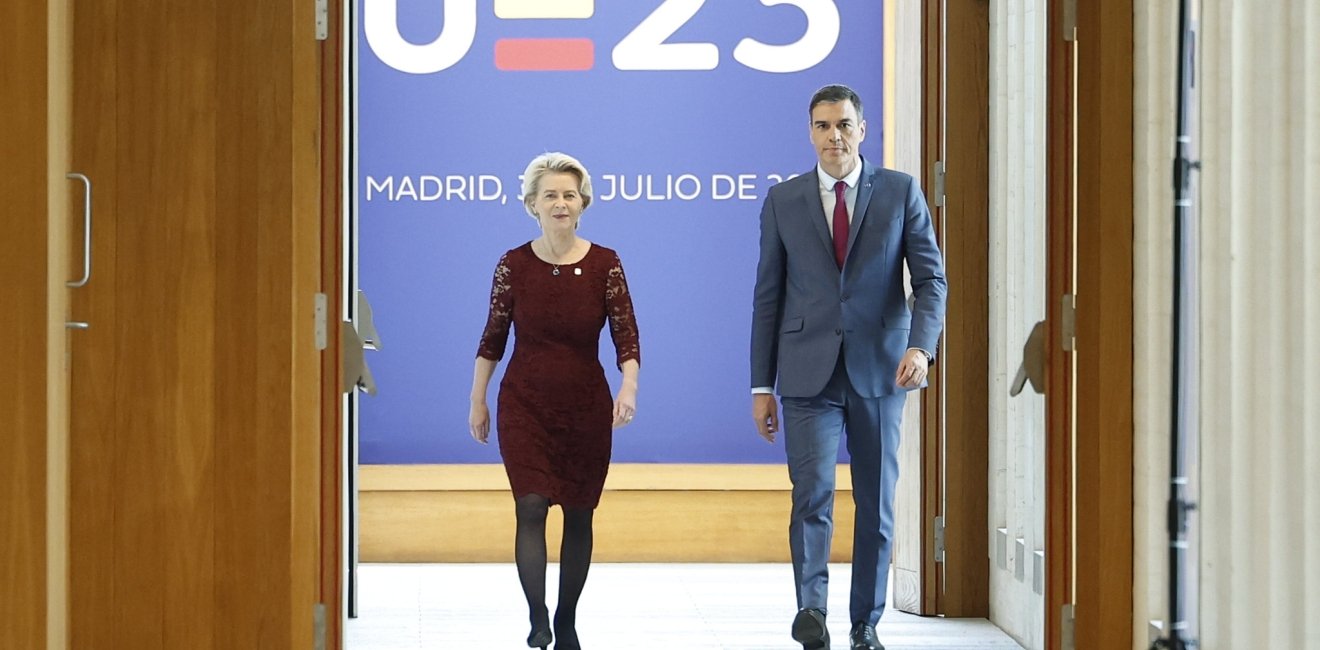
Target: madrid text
607,187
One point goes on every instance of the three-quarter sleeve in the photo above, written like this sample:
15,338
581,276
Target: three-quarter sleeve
496,335
619,310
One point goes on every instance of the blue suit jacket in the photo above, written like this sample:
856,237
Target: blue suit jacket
805,309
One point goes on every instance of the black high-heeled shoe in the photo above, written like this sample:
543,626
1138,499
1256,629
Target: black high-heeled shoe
540,638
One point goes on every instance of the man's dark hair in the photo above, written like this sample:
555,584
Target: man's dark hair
835,93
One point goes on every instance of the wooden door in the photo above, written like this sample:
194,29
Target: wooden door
940,564
195,430
957,415
1103,409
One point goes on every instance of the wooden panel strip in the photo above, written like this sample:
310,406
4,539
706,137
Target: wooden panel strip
61,193
631,526
24,321
94,381
623,476
1104,325
164,530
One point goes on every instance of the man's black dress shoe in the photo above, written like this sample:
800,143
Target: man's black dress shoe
809,630
863,637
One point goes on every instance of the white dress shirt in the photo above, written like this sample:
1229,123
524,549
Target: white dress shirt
827,193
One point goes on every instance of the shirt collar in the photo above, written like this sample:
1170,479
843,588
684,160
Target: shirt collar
827,182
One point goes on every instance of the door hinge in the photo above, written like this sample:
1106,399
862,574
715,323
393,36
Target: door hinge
1069,323
1069,20
1066,627
322,19
939,183
320,326
318,626
939,538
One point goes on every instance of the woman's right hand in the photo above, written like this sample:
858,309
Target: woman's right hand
479,422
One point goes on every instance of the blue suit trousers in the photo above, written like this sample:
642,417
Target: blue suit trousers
812,427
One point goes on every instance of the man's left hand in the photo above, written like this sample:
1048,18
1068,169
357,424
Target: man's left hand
912,369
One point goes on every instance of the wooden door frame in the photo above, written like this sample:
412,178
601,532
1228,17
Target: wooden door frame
1060,152
932,399
959,587
955,409
1090,566
332,452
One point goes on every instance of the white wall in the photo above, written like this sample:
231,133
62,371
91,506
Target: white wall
1017,301
1155,45
1259,318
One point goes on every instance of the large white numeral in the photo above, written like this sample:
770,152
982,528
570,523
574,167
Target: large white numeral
816,43
644,48
381,24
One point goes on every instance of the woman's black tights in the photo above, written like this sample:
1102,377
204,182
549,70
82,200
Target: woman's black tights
529,553
574,562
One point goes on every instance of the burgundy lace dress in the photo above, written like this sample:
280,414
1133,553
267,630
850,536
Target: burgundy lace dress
554,413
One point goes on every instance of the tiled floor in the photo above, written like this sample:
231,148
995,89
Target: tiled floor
625,607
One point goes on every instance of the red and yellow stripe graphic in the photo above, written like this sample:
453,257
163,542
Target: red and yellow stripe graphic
544,53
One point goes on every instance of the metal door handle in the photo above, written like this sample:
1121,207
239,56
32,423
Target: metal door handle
366,325
356,337
356,374
87,229
1033,362
76,325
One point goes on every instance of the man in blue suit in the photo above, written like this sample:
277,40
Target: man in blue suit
833,331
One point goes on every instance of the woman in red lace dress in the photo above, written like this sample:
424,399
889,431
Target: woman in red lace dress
555,413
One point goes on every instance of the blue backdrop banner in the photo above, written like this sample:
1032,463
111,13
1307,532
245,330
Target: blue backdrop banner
684,111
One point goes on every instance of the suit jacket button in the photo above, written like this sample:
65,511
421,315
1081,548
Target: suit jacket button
838,332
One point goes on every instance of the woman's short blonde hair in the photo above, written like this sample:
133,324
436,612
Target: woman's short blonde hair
553,163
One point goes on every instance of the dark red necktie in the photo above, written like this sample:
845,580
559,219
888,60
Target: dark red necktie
840,223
